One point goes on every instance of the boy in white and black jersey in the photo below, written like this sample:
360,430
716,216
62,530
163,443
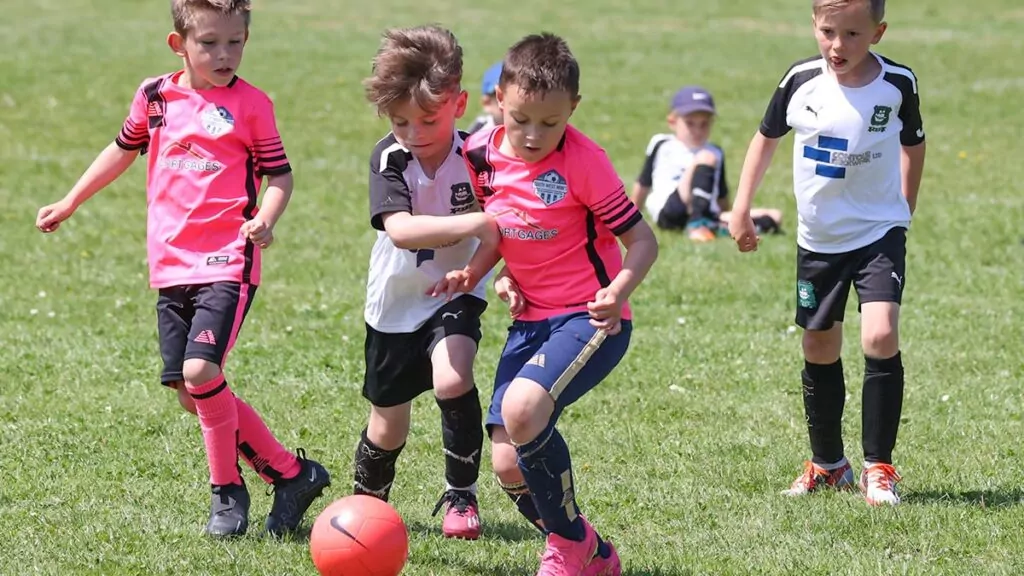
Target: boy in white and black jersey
857,163
428,223
682,184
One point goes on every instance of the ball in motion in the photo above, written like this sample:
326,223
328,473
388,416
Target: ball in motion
359,536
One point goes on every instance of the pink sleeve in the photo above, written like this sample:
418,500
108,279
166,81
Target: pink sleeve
603,192
266,141
134,133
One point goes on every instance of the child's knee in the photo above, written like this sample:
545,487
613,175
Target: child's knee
184,398
505,463
880,339
705,158
823,346
198,371
451,384
526,410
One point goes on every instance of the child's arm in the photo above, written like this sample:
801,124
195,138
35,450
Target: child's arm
755,165
484,259
912,167
260,230
411,232
108,165
639,195
641,252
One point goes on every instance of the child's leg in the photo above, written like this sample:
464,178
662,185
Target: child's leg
567,367
397,371
880,282
823,285
505,462
378,449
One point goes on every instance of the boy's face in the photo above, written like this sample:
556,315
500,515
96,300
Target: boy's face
427,135
535,123
212,48
845,36
693,129
489,102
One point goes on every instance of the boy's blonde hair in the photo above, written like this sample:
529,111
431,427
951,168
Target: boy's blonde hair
877,7
423,63
184,11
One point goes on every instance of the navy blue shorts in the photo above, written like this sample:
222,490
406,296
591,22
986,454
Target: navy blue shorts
555,354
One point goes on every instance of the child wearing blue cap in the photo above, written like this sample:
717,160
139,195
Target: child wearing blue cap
683,183
491,115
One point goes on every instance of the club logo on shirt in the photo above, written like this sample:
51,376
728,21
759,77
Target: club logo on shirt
217,121
805,294
550,187
880,118
462,197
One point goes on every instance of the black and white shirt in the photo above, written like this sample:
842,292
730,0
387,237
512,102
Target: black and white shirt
667,160
396,299
846,151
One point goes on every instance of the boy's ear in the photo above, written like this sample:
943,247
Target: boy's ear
460,103
177,43
575,103
879,32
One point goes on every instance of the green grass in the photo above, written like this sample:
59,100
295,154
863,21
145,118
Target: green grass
680,454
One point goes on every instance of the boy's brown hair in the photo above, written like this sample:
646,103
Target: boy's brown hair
541,63
877,7
183,11
423,63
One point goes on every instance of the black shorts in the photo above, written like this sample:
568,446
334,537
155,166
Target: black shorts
398,366
674,214
199,321
876,271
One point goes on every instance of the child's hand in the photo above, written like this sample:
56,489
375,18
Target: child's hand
452,283
50,217
508,291
257,232
741,228
606,311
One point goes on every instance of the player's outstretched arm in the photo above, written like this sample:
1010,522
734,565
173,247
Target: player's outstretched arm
755,165
465,280
912,167
414,232
111,163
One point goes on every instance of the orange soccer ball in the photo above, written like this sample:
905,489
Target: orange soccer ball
359,536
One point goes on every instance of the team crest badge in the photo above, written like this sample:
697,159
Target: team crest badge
218,121
805,294
550,187
880,118
462,194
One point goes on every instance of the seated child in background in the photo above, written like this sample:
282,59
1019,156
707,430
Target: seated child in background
682,184
491,116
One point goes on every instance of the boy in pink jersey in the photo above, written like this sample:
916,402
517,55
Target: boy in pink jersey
212,138
561,210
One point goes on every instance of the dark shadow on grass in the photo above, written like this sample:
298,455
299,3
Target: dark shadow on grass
994,498
631,571
493,529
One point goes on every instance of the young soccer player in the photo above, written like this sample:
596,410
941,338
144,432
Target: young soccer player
682,184
428,222
211,139
562,211
488,102
858,157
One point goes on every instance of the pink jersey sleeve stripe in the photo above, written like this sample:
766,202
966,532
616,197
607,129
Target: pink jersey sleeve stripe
270,157
617,212
132,136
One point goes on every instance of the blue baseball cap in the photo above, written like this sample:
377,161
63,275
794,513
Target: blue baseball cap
491,78
691,99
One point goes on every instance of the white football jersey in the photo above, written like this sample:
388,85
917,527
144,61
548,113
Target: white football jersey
846,151
667,160
396,299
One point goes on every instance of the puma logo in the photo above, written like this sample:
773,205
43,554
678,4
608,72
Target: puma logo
811,110
897,278
453,315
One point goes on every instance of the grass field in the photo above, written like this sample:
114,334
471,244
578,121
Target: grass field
679,455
